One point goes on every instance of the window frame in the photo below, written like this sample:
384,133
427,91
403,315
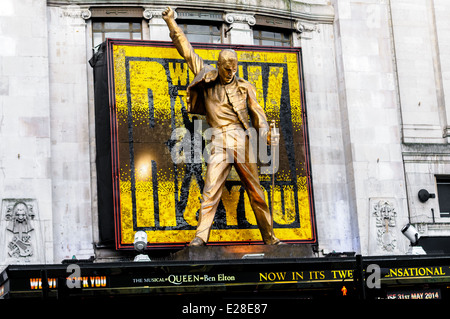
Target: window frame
183,23
104,31
284,32
443,180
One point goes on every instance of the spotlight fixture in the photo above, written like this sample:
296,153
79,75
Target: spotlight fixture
140,243
413,235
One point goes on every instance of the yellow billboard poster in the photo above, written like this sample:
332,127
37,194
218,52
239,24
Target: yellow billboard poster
159,150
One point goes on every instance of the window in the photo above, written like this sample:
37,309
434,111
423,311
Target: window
272,38
205,33
443,188
119,30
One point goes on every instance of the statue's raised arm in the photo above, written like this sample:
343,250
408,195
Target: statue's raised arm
181,42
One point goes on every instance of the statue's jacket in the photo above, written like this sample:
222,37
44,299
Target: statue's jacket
241,94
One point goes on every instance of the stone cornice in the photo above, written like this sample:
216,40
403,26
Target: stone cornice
76,11
296,10
155,12
426,153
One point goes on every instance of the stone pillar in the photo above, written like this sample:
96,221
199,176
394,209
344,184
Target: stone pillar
70,137
369,115
440,13
239,29
420,84
25,147
337,226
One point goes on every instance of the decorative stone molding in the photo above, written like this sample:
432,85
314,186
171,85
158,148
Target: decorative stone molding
151,12
446,132
305,29
21,238
20,216
385,216
306,10
147,14
433,229
234,17
76,12
86,14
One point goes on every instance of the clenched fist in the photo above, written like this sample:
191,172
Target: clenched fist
168,14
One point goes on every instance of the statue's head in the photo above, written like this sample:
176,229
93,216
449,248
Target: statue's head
227,65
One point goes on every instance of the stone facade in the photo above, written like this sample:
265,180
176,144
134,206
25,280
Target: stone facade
25,118
377,86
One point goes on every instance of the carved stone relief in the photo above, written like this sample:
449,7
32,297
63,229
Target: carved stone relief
234,17
76,12
20,231
385,220
383,226
155,12
19,216
305,29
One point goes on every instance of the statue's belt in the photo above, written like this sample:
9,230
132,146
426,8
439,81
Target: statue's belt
227,128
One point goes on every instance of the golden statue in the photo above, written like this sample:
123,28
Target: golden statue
227,101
